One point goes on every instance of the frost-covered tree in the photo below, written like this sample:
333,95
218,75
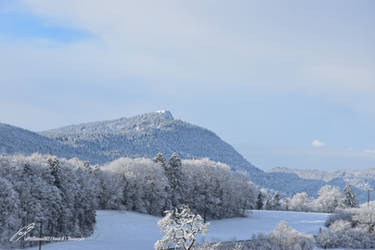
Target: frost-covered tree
272,202
365,216
350,200
286,237
349,228
330,198
268,205
300,202
181,228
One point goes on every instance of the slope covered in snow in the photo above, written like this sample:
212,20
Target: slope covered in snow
14,140
129,230
146,135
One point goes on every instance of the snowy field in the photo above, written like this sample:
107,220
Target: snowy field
133,231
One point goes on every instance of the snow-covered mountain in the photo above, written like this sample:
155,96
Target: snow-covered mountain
144,136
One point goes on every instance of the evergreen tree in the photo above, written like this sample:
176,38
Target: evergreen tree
260,201
276,201
175,178
55,171
350,199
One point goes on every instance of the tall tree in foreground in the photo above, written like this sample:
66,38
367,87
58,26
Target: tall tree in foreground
350,199
181,228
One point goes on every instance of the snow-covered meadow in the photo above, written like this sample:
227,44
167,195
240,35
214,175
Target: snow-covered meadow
133,231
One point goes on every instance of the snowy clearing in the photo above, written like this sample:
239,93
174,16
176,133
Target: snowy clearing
133,231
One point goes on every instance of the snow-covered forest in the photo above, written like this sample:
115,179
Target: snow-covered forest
58,195
62,195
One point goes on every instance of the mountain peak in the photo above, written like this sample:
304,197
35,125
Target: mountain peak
165,114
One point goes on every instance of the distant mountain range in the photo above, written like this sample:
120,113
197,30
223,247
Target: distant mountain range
144,136
361,179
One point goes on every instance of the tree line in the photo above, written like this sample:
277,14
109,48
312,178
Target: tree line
329,199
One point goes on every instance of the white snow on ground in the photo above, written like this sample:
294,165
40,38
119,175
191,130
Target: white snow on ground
261,221
133,231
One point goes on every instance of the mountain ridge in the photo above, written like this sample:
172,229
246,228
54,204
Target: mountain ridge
147,134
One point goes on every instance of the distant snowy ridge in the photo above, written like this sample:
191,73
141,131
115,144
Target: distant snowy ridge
361,179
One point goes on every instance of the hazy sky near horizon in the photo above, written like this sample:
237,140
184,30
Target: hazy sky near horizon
287,83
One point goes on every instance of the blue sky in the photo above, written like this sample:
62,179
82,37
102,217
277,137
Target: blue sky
287,83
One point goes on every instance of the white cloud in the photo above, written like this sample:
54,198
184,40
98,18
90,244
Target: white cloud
369,151
317,143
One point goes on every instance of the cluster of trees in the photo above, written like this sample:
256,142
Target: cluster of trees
350,228
153,186
62,195
281,238
329,199
55,194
